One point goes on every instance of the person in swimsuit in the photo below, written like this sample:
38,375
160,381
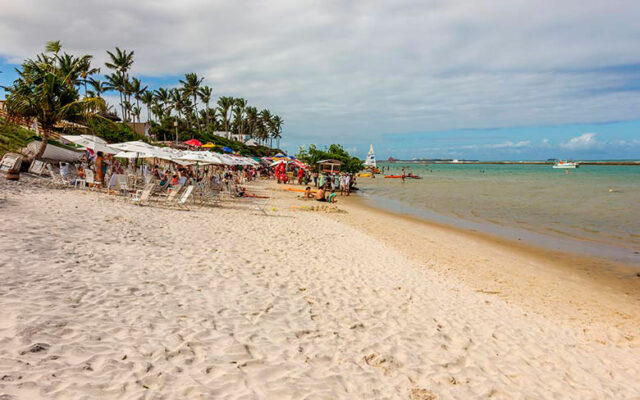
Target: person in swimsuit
320,194
307,193
332,197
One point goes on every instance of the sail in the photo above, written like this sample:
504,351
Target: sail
371,158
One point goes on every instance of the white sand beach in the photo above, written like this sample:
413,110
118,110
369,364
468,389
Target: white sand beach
101,299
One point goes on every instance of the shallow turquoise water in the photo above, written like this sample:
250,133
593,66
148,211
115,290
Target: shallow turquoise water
596,205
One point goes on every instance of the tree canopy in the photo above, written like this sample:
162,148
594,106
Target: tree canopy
312,155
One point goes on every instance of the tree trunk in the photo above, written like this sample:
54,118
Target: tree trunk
43,144
207,119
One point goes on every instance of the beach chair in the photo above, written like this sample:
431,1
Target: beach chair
89,179
258,197
56,178
37,167
142,196
122,181
173,196
182,201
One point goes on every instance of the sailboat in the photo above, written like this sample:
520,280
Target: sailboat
370,162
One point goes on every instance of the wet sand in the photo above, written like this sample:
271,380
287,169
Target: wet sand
594,294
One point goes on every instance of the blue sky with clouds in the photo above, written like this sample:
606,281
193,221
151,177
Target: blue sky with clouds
523,79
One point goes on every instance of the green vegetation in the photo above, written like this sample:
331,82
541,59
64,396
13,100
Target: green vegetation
48,89
12,137
312,155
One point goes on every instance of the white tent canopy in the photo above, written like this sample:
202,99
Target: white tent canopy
136,147
132,154
139,149
91,142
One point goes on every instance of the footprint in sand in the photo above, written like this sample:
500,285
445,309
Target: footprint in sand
422,394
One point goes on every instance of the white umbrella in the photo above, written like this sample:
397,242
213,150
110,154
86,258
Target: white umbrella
201,157
133,154
92,142
167,153
136,147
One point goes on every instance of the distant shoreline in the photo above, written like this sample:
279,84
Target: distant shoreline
637,163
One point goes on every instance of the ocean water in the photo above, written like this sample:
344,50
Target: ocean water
593,209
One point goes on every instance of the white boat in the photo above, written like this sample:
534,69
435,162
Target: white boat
370,162
53,152
565,164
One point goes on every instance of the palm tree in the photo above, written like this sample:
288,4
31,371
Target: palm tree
97,87
162,99
224,106
239,114
53,46
137,90
47,93
191,86
127,108
146,97
86,71
136,112
117,81
205,95
121,62
265,117
177,101
252,119
276,123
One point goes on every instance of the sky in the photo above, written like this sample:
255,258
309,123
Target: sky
518,79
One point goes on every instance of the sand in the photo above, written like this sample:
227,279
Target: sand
101,299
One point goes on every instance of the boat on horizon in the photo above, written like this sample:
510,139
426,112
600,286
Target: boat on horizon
566,164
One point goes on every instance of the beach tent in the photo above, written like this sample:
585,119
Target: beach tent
228,160
330,163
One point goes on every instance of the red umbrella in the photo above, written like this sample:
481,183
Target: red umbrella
193,142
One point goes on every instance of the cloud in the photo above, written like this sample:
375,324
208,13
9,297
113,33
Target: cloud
505,145
585,141
341,71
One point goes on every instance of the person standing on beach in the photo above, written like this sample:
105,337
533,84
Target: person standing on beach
101,168
315,179
347,184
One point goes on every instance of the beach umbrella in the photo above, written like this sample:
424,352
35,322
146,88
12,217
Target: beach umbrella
228,150
209,145
203,157
132,154
91,142
277,163
135,146
193,142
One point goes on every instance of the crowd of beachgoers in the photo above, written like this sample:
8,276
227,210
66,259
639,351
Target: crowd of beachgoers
129,176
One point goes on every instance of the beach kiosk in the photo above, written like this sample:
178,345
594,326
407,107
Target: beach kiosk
329,165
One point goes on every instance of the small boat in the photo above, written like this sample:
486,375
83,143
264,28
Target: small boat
566,164
370,162
54,152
